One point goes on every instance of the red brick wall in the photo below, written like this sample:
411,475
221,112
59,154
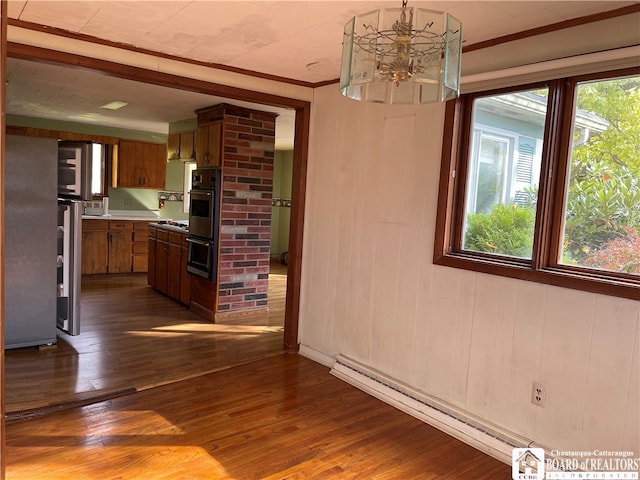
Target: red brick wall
247,187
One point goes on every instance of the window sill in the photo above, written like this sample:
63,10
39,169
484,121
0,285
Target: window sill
567,277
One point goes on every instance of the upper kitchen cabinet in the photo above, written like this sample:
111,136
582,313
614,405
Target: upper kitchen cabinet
209,144
140,165
181,146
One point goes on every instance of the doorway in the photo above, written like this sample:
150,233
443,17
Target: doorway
299,154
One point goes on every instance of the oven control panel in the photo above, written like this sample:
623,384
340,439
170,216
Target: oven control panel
206,178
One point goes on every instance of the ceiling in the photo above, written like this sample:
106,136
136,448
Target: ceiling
74,95
290,39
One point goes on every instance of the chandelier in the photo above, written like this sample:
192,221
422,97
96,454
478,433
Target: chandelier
401,55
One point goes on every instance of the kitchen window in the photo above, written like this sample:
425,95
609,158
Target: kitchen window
99,156
189,167
542,182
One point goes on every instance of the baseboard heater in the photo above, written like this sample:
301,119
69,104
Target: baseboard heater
475,432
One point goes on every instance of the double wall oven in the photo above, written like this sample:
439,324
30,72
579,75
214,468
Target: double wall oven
204,222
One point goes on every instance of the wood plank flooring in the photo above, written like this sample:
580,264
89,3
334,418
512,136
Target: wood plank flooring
133,338
282,417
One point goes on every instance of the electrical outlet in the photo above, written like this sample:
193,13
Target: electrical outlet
538,394
127,202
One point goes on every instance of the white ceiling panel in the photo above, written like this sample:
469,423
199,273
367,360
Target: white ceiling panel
254,34
292,39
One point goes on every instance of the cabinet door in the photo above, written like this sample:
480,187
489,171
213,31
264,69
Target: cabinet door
209,145
162,262
187,144
202,145
173,146
154,165
128,172
140,259
151,270
185,278
173,278
141,165
94,252
120,252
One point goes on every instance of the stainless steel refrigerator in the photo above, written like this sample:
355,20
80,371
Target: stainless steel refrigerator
69,265
74,186
31,193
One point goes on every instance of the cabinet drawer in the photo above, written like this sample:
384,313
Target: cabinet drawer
175,238
141,226
163,235
139,236
116,225
140,248
95,224
153,232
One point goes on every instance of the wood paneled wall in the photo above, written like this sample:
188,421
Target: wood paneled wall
476,341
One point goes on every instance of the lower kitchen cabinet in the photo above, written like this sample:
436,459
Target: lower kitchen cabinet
114,246
168,264
161,260
174,272
95,246
120,248
152,249
140,246
185,279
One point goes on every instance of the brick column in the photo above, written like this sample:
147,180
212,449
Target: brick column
245,231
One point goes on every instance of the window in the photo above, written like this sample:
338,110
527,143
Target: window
542,182
100,154
189,167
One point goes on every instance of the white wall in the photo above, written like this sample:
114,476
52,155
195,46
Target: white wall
370,291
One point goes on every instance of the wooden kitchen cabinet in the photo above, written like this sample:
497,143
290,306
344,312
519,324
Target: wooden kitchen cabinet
209,144
168,265
114,246
140,165
120,247
95,246
185,279
181,146
175,274
140,247
151,259
161,259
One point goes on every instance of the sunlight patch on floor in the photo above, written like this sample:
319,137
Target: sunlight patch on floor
133,461
217,327
187,329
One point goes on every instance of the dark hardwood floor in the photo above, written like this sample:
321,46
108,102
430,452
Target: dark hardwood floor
150,391
282,417
133,338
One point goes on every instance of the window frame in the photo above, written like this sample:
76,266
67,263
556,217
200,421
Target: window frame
549,225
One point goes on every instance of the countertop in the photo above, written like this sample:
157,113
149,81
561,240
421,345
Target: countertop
169,226
143,215
138,215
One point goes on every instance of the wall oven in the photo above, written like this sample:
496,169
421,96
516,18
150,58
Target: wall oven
204,222
202,209
201,258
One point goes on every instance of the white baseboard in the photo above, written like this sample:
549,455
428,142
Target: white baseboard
487,438
316,356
